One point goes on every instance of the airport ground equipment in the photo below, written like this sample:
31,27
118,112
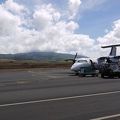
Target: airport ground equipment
110,66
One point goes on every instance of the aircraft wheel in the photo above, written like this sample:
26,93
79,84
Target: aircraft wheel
93,75
81,75
102,75
119,75
111,76
96,75
76,73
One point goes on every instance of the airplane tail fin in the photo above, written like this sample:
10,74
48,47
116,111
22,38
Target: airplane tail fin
113,49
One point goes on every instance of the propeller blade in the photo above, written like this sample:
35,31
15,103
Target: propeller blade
92,64
74,58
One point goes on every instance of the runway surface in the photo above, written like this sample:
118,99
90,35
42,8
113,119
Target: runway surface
57,94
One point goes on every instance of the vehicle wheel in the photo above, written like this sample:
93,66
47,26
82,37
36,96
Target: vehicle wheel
96,75
119,75
102,75
82,75
93,75
76,73
111,76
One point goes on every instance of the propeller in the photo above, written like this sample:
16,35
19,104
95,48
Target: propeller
93,64
72,59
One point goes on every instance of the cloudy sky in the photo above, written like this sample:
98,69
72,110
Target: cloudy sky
66,26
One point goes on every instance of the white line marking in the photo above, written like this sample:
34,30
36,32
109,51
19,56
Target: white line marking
58,99
107,117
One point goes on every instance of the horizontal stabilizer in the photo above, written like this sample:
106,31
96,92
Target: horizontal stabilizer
110,46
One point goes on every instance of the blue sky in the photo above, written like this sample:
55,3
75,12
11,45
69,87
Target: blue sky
95,21
66,26
1,1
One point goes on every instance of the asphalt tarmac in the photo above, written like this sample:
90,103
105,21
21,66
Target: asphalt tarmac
57,94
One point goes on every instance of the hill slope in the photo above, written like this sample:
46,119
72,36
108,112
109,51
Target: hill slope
38,56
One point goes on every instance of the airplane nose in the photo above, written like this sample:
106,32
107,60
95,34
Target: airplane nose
76,67
73,68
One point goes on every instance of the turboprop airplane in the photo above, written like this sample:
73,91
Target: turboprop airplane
83,66
107,66
110,65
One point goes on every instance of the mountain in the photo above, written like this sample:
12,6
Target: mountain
38,56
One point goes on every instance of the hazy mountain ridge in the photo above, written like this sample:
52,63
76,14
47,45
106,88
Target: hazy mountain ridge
38,56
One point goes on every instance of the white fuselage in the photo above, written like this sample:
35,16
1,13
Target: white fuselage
79,63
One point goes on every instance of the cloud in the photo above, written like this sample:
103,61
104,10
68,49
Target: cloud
45,29
91,4
48,32
72,26
45,15
61,39
112,37
8,22
73,8
14,7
